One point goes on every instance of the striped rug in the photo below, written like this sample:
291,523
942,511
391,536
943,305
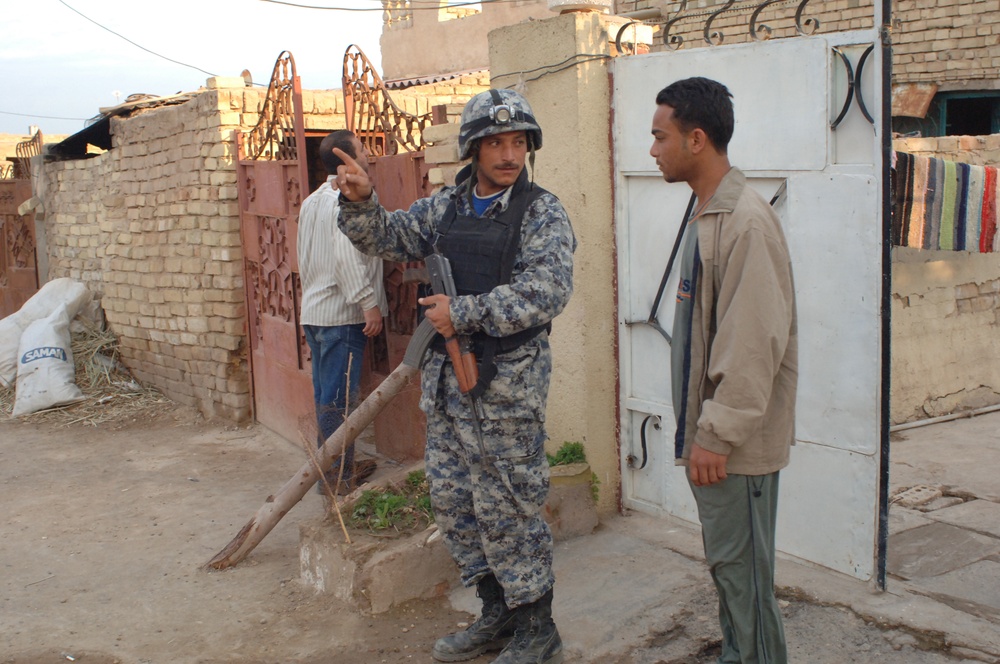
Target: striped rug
944,205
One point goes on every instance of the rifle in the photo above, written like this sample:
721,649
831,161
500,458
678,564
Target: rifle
459,347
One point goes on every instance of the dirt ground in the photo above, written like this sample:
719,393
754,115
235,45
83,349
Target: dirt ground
106,529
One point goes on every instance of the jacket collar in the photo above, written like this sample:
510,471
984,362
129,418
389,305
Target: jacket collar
728,192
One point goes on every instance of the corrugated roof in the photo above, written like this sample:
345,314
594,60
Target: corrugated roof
403,83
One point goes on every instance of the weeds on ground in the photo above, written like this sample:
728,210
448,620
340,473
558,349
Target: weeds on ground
401,508
567,454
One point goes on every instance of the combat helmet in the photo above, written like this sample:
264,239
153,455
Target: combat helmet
496,112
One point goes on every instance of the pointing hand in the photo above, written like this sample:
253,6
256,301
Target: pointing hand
352,179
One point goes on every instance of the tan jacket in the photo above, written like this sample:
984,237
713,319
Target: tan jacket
744,364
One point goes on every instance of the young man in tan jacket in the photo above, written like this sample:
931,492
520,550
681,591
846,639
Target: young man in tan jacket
734,363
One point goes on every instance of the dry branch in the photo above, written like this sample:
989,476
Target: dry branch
277,505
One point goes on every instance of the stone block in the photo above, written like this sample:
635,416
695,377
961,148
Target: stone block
441,154
570,510
936,549
227,342
240,402
441,133
375,574
228,310
966,291
981,516
219,82
972,587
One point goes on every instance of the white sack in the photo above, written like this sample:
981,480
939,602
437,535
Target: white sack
64,291
46,376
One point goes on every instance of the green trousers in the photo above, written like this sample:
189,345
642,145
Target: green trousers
737,524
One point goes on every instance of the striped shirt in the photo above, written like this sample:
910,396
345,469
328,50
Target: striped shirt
338,282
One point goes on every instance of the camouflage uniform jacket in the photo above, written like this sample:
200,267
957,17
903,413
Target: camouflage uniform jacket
540,286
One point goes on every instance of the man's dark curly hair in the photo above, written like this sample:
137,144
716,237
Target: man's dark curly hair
338,139
701,103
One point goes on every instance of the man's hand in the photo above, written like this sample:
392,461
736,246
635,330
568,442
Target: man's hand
373,322
352,179
439,313
706,467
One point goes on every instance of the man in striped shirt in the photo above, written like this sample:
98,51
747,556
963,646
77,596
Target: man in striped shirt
343,302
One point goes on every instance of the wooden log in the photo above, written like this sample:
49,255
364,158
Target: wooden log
277,505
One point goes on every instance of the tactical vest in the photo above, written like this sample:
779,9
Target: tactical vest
482,252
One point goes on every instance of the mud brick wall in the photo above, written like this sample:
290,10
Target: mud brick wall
954,43
152,225
976,150
945,310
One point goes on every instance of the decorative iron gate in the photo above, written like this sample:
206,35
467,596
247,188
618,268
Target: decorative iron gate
273,181
18,264
399,175
812,132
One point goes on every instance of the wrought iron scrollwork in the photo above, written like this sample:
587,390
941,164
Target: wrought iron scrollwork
854,89
808,26
273,137
274,276
715,38
672,28
20,242
850,89
763,31
25,150
858,92
674,41
619,46
378,122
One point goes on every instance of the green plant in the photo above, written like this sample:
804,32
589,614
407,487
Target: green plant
595,486
570,452
398,508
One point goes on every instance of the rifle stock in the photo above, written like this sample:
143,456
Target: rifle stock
459,348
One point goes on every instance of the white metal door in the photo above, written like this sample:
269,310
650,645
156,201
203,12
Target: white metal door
787,94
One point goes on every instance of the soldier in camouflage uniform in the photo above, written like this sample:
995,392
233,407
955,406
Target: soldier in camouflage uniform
511,247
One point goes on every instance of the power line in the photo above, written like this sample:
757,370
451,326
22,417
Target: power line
178,62
415,5
44,117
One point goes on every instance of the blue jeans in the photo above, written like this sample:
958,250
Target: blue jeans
333,349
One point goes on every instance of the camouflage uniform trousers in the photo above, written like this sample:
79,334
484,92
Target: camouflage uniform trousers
490,514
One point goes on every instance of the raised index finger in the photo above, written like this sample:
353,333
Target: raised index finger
347,159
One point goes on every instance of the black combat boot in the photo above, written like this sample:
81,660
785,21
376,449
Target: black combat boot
536,640
492,631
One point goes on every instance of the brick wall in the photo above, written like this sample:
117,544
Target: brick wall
945,310
954,43
977,150
152,225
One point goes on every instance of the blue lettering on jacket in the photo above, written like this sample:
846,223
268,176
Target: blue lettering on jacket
45,352
684,289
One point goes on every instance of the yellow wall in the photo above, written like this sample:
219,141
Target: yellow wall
573,108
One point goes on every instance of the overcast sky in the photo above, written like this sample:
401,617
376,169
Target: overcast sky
56,63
